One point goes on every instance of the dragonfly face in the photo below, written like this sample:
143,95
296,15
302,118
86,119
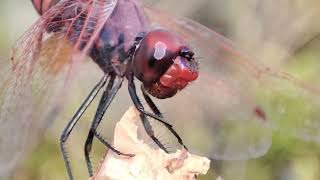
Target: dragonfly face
164,64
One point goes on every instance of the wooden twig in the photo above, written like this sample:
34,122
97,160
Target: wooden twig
148,163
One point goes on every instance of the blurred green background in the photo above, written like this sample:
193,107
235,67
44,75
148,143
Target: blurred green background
279,27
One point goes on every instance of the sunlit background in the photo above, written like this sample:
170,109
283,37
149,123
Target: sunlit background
281,28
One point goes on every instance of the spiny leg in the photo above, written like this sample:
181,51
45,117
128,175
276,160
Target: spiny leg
144,119
106,99
147,126
68,129
106,143
139,106
151,104
157,112
96,122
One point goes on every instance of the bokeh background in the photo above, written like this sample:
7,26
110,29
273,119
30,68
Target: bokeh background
286,28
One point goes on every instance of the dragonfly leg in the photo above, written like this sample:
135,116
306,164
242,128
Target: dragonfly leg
106,99
139,106
157,112
151,104
145,122
66,132
106,143
147,126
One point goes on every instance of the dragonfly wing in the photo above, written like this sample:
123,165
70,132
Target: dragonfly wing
27,107
239,100
43,64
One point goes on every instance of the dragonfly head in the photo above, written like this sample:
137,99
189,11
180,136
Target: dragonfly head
164,64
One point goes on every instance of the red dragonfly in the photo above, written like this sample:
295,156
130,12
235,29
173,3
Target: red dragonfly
232,100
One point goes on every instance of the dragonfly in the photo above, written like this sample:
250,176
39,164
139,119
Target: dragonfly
233,99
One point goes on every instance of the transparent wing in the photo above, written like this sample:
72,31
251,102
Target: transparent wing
43,64
232,109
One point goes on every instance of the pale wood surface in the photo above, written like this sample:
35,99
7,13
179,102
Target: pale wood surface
148,163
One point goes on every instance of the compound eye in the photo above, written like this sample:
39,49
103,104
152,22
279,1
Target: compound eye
155,54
